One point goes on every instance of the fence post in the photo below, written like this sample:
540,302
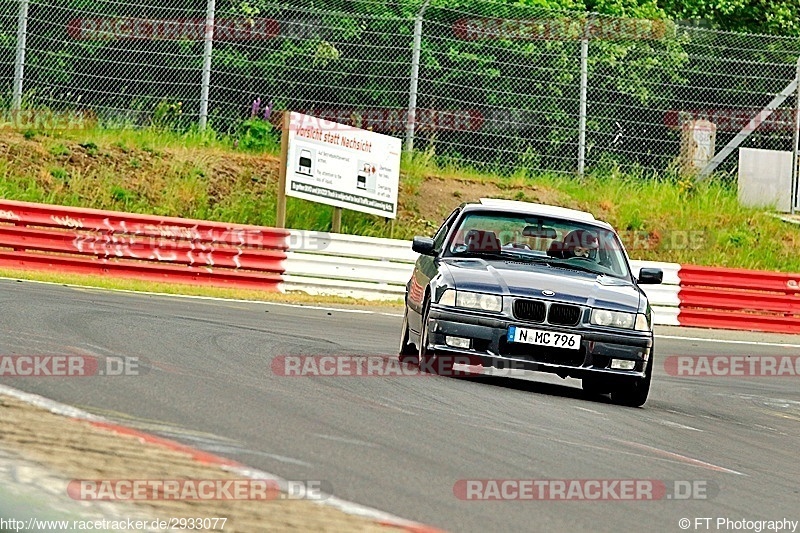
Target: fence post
209,47
795,141
412,92
583,89
19,61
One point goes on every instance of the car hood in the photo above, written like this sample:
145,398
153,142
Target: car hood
516,278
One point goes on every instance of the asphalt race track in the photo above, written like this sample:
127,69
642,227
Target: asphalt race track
401,444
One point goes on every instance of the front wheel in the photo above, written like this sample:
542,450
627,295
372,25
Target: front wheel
635,394
428,361
407,351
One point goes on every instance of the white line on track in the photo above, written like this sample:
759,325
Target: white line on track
344,440
49,405
724,341
588,410
677,425
364,311
332,501
196,297
682,458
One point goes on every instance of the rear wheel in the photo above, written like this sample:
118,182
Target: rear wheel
635,394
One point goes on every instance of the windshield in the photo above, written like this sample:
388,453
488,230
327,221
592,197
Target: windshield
538,239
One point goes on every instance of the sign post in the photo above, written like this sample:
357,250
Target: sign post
280,217
795,142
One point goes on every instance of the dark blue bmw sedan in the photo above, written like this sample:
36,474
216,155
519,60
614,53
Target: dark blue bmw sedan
531,287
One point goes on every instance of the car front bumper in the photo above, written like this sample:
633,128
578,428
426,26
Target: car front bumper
489,346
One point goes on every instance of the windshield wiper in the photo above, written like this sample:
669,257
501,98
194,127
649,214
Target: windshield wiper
562,263
504,254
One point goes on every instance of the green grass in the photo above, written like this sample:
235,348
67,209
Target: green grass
147,139
660,218
204,175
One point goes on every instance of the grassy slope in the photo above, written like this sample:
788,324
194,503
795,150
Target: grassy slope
201,176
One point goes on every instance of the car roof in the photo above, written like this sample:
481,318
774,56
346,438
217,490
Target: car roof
530,208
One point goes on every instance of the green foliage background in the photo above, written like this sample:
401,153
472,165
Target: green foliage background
356,54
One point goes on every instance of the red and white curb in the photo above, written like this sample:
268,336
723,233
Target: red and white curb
209,459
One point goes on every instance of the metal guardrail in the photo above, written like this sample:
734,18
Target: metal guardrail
90,241
164,249
370,268
664,298
378,269
730,298
357,246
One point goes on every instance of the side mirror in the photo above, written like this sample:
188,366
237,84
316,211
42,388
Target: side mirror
423,245
651,276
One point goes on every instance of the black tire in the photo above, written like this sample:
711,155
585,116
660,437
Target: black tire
428,361
635,394
408,351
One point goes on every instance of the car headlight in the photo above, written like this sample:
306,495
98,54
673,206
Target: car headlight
614,319
472,300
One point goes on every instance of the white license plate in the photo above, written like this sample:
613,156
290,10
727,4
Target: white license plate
552,339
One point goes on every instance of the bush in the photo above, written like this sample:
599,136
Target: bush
258,135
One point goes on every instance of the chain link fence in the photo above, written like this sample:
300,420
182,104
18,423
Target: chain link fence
500,87
8,38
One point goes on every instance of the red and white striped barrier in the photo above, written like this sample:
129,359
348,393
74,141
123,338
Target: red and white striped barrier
126,245
730,298
167,249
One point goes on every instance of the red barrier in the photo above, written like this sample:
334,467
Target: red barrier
741,299
740,321
738,278
141,248
90,241
29,214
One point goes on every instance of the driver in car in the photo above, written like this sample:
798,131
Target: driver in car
577,243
